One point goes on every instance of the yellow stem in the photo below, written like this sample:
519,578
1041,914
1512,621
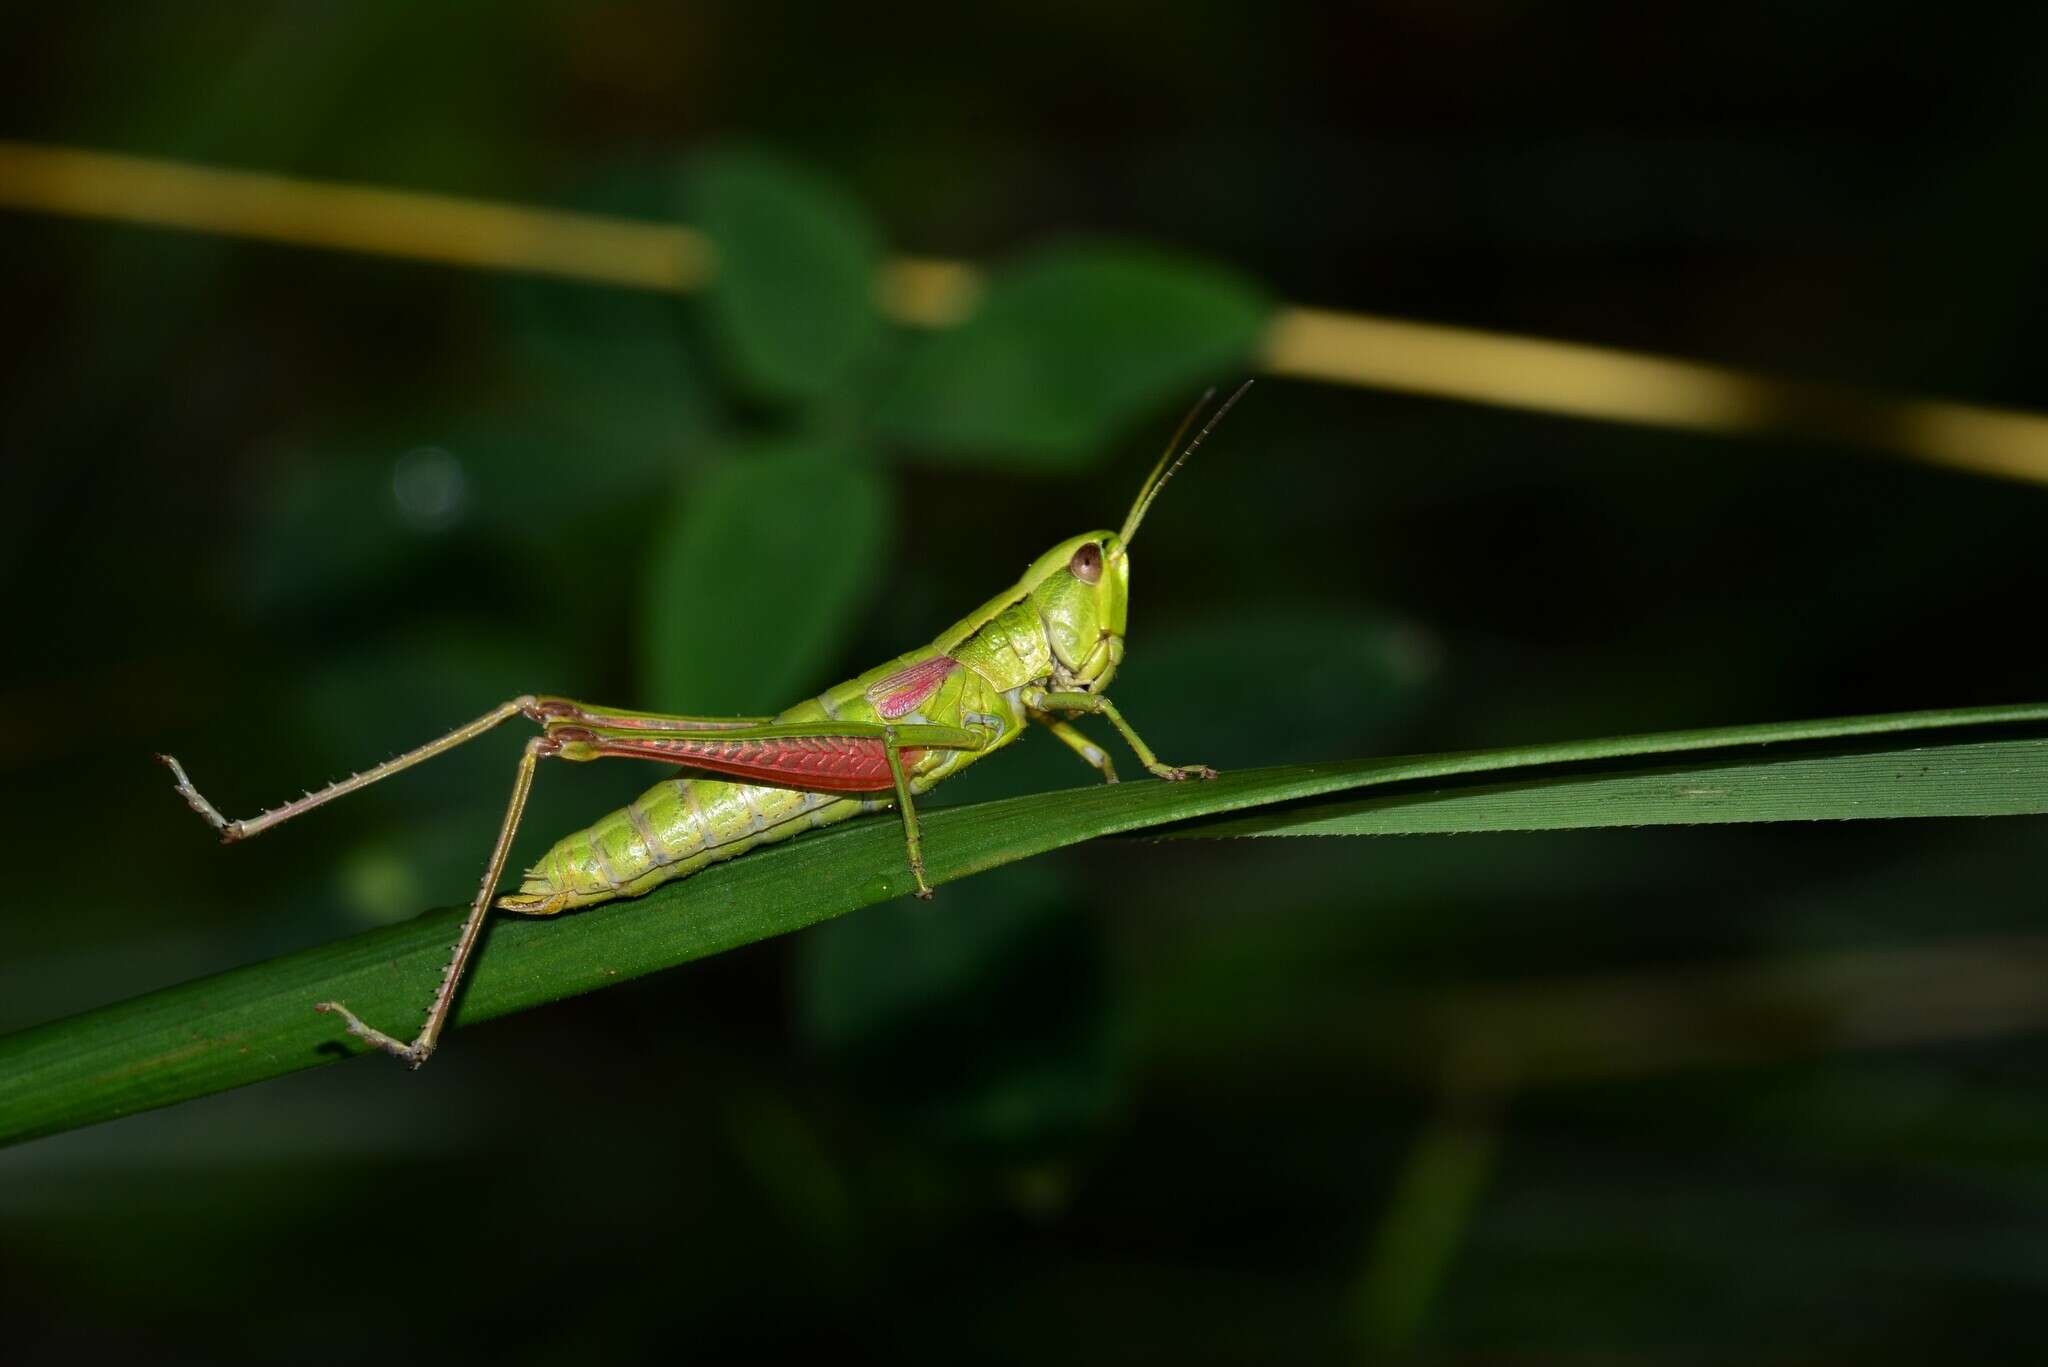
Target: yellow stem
1304,343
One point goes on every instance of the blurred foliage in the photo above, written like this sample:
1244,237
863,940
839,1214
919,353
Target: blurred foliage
793,299
760,577
1066,347
285,512
944,1023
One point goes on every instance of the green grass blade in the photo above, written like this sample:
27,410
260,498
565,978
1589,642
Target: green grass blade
1992,778
257,1022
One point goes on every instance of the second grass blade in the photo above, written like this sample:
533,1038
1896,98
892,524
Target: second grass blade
1978,778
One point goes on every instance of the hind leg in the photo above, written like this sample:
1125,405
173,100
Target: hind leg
421,1046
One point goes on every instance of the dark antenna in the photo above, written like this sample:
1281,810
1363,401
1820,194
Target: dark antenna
1163,471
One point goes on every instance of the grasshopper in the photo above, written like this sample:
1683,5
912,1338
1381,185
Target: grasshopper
1041,651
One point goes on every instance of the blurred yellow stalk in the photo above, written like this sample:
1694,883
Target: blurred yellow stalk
355,218
1304,343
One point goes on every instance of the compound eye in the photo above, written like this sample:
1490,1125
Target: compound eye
1086,565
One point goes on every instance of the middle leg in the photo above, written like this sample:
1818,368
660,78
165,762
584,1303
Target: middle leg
913,845
1070,736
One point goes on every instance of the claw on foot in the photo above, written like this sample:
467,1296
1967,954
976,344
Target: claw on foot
229,831
1177,773
410,1054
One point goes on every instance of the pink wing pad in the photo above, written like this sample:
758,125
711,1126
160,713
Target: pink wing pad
895,694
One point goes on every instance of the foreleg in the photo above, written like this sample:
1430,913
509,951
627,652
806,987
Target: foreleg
1097,705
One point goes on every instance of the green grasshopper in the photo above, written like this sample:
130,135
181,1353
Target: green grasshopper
1040,651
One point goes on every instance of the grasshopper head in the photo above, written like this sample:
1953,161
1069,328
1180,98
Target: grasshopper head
1082,587
1081,591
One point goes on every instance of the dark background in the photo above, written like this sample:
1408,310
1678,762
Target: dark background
1131,1099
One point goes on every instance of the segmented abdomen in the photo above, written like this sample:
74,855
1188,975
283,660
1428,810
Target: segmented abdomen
681,825
675,828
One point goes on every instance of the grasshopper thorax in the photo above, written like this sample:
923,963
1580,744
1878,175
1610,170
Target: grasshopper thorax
1061,624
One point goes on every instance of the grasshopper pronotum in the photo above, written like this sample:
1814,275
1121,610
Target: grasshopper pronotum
1042,650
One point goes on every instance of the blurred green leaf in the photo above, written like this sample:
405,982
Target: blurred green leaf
757,582
1067,347
257,1022
793,295
938,1015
